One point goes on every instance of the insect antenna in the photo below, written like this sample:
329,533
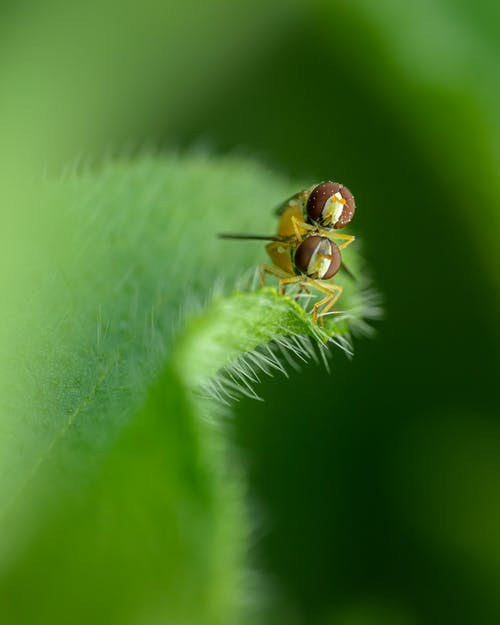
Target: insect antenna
256,237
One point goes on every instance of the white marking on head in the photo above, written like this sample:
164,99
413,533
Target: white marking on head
320,260
332,210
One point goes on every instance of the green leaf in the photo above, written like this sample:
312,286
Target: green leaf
119,501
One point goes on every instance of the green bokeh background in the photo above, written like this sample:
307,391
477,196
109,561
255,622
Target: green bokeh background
375,488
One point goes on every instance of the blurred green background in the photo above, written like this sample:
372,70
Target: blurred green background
375,488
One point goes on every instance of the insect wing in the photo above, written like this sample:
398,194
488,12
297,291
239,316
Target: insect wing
299,199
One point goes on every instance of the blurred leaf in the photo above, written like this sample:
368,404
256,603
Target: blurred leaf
114,494
90,76
454,478
370,611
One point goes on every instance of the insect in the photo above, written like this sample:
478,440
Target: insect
322,209
306,263
304,251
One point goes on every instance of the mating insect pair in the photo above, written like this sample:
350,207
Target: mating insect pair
304,251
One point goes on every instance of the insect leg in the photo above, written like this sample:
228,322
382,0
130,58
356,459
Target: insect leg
333,292
348,238
335,295
286,281
298,225
271,269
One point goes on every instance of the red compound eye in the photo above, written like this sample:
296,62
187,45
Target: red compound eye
324,206
312,256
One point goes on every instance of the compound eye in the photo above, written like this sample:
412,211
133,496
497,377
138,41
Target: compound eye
317,257
331,205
